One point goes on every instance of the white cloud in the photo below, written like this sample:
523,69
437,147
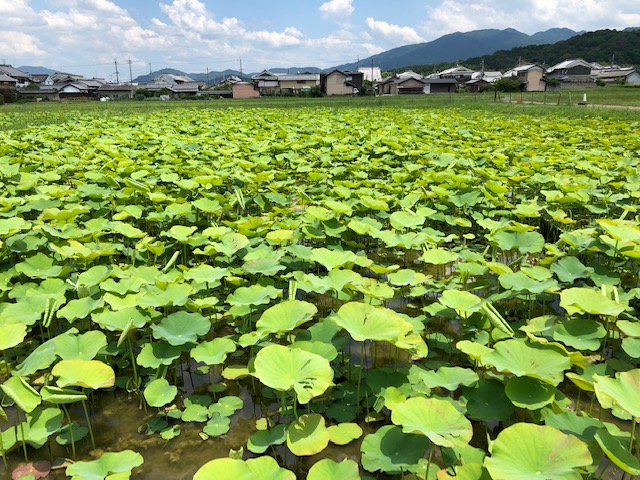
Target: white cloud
12,42
393,32
337,9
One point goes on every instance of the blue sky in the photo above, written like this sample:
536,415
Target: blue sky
86,36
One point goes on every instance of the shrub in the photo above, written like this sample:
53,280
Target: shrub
10,97
1,99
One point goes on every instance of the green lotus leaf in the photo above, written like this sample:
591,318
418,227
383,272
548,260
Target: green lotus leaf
617,452
327,469
65,437
206,273
569,269
159,392
523,451
307,435
260,441
195,413
266,265
284,368
84,373
542,361
58,396
406,219
11,335
519,281
344,433
79,308
367,322
83,346
464,303
108,463
631,347
253,295
121,319
280,236
588,300
487,401
623,391
323,349
391,451
181,327
125,229
331,259
467,471
42,357
524,242
213,352
529,393
632,329
231,243
154,354
473,349
217,425
285,316
40,425
435,418
181,233
261,468
175,294
13,225
447,377
580,333
439,256
227,406
267,468
621,230
39,266
23,394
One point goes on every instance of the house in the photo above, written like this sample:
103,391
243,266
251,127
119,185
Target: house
627,76
174,84
266,82
439,85
60,77
295,83
22,79
459,73
389,85
571,73
117,92
7,83
482,79
245,90
339,82
531,75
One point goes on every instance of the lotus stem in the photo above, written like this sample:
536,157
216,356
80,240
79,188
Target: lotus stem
426,473
360,376
633,435
73,443
6,363
86,415
24,444
4,458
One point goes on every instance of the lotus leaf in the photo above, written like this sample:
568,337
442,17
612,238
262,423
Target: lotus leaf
447,377
544,362
40,425
285,316
121,319
579,333
524,242
524,451
226,406
529,393
79,308
435,418
181,327
587,300
284,368
154,354
83,346
623,391
616,452
39,266
59,396
213,352
12,335
487,401
159,392
307,435
327,469
367,322
331,259
344,433
108,463
68,435
217,425
569,269
464,303
23,394
253,295
391,451
260,441
84,373
439,256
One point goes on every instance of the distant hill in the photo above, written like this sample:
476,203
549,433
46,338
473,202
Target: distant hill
458,46
37,70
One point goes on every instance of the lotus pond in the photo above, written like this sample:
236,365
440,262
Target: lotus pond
258,293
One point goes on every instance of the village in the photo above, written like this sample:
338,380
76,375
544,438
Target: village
575,73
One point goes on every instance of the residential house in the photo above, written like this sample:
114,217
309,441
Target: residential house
439,85
627,76
7,83
574,73
22,79
245,90
411,81
266,82
460,73
60,77
174,84
482,79
339,82
531,75
296,83
117,92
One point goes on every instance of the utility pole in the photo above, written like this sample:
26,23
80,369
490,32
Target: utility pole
207,76
240,65
130,74
149,68
117,74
